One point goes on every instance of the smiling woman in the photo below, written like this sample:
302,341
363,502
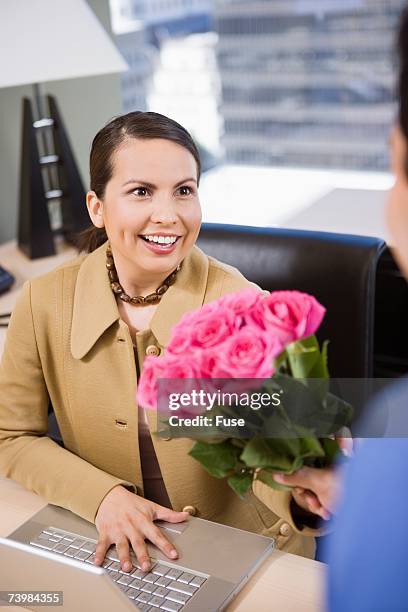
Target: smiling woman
153,221
80,335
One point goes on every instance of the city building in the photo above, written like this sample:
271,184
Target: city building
185,86
162,17
141,58
171,53
307,83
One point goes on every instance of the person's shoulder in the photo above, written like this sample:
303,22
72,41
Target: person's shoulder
58,275
43,295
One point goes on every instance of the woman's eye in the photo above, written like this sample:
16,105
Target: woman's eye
185,190
141,192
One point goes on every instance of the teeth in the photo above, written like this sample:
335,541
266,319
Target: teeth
161,239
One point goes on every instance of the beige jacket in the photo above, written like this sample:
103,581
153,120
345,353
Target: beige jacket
66,344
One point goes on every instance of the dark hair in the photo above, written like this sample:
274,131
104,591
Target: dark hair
403,73
137,124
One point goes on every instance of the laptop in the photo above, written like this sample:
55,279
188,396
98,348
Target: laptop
54,550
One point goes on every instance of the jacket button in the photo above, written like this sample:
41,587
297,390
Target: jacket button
285,529
190,509
153,350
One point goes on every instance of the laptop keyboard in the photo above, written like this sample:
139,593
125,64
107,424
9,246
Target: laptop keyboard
164,587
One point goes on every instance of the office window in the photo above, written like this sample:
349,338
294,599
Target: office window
172,45
296,83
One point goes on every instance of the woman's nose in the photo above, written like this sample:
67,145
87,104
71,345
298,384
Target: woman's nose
164,211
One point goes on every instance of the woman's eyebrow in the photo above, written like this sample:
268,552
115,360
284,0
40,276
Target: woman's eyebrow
144,183
186,180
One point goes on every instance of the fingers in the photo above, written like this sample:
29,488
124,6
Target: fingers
166,514
140,549
309,501
321,482
316,507
122,548
101,549
157,538
346,445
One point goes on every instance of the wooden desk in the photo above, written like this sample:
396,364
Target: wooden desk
285,582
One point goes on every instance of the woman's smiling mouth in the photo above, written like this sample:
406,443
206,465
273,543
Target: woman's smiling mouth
160,243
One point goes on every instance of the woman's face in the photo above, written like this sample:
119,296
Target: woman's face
397,207
151,211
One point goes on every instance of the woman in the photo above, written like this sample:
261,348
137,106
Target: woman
78,337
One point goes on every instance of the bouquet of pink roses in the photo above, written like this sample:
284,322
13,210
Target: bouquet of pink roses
248,345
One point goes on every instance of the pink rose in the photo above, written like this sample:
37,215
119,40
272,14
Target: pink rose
211,328
180,342
182,376
249,353
190,318
208,362
241,302
290,315
168,367
177,367
147,385
181,339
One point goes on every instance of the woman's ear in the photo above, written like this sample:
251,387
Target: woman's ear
95,209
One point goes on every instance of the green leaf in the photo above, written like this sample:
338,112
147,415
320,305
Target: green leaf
217,459
266,477
280,455
325,357
240,483
336,413
306,360
310,447
280,360
331,450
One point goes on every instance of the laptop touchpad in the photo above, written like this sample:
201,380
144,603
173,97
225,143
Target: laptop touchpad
174,528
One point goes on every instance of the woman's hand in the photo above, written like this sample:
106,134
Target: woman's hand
124,518
315,489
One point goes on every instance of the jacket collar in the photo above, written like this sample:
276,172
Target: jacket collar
95,308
